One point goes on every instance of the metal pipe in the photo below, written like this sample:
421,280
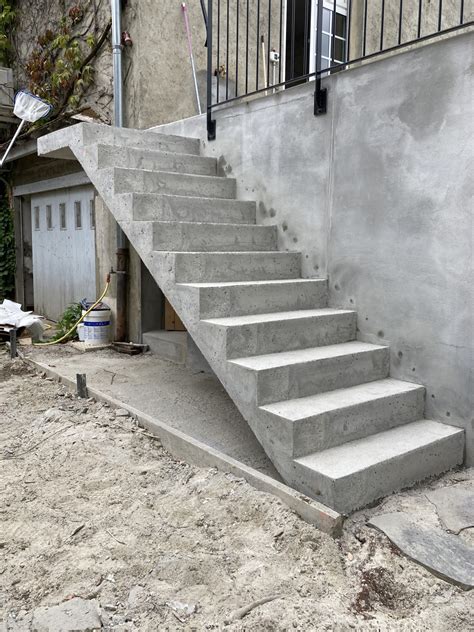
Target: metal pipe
122,242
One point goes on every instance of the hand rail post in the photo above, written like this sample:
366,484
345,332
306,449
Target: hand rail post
320,94
211,123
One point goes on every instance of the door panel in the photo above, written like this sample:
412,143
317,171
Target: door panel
63,231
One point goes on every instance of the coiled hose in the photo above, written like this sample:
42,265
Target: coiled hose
67,334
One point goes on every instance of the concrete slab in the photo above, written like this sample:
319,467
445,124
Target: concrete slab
76,615
442,554
454,506
193,403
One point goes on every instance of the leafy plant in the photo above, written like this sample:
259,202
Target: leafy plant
70,316
7,18
7,251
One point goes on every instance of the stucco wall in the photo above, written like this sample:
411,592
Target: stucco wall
377,195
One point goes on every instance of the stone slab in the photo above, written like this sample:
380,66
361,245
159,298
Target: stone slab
76,615
454,506
441,553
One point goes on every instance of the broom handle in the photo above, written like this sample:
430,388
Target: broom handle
17,133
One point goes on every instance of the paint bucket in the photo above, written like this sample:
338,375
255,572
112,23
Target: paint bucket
96,325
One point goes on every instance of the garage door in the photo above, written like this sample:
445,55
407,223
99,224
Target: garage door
63,228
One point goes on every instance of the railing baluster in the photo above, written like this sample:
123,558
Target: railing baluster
292,57
348,32
400,23
218,48
227,53
420,11
461,18
364,44
382,21
269,40
305,36
320,94
237,51
440,14
332,52
211,125
281,41
247,52
258,42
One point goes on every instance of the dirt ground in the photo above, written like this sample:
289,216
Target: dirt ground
91,506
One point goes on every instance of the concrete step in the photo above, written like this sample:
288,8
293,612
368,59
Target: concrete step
143,181
197,267
140,139
182,208
259,334
294,374
240,298
210,237
353,475
169,345
322,421
153,160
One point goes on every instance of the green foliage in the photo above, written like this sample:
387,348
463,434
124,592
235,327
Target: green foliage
7,18
56,68
69,318
7,251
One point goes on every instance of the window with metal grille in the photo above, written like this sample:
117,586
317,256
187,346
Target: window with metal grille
92,214
36,213
49,217
78,215
62,216
333,45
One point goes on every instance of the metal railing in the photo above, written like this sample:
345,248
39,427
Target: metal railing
259,47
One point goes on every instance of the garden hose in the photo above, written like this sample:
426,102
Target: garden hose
55,342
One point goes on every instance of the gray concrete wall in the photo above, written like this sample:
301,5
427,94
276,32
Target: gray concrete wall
376,194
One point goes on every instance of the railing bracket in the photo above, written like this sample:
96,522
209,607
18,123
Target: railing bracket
320,101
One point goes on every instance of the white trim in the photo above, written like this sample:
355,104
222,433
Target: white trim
341,7
63,182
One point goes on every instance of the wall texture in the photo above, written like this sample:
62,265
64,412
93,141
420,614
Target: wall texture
377,195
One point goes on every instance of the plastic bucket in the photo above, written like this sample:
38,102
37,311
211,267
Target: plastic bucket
96,325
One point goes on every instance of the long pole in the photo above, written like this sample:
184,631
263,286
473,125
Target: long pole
122,242
12,142
191,55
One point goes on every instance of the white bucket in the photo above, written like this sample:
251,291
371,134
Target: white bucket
96,326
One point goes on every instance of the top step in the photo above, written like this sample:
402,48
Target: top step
58,144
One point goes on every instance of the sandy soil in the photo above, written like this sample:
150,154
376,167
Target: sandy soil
92,506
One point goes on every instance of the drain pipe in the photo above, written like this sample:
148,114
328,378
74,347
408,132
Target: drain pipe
122,242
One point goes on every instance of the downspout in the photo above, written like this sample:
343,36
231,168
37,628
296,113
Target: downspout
122,242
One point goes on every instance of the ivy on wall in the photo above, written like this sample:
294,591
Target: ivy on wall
7,18
7,250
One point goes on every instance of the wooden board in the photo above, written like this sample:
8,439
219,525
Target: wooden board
172,320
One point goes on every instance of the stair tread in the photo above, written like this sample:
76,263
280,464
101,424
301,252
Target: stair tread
284,358
196,176
355,456
251,319
243,283
214,224
304,407
160,152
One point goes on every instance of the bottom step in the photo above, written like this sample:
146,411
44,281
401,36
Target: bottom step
355,474
177,347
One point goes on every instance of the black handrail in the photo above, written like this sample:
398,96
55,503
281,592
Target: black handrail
286,62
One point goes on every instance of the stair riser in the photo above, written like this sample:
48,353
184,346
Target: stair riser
140,140
289,335
209,268
172,350
310,378
199,237
356,422
190,209
239,300
361,488
110,156
138,181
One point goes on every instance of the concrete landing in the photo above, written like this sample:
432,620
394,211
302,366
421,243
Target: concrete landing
193,403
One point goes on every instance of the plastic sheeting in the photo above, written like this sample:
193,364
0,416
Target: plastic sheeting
11,315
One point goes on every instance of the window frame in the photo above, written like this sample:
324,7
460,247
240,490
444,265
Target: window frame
62,207
78,206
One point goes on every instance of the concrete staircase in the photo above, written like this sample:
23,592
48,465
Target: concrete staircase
320,402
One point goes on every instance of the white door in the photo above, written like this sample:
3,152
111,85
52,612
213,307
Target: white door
63,227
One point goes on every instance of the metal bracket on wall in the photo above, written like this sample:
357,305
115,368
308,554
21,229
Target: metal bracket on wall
211,128
320,101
